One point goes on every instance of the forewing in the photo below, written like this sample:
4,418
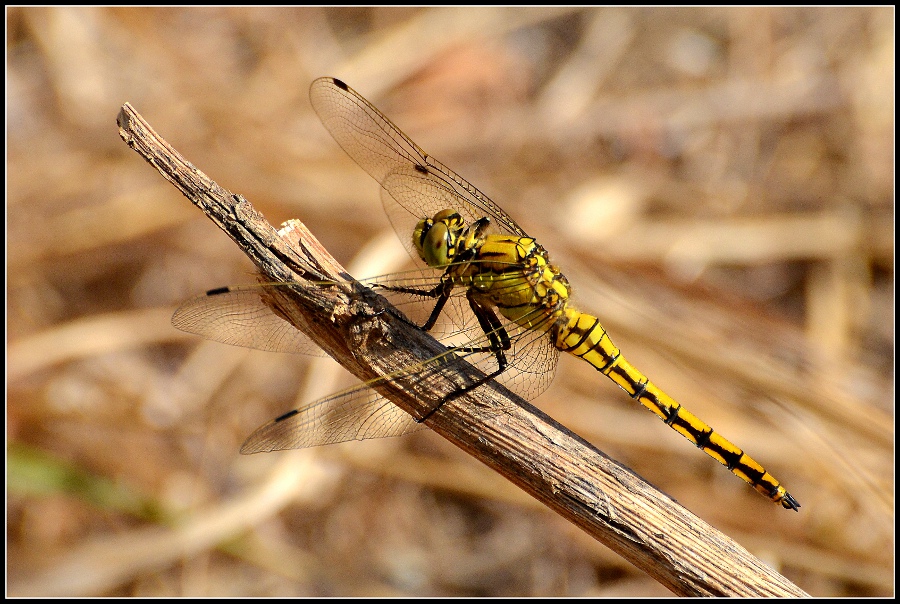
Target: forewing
420,184
240,317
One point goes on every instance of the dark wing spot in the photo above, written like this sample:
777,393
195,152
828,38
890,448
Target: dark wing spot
217,291
339,84
421,168
292,413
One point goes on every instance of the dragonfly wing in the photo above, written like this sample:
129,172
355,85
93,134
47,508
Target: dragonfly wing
385,152
533,361
356,414
239,316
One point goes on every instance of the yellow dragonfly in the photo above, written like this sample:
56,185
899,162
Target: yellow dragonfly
487,290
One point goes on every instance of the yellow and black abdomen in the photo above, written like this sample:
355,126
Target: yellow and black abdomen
583,336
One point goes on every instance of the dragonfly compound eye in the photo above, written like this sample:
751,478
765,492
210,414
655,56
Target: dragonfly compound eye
437,247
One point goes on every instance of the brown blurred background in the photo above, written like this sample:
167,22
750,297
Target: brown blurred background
716,183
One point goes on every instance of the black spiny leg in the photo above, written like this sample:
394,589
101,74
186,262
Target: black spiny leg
499,342
493,329
441,291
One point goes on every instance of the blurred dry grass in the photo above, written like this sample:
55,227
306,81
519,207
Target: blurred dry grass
717,183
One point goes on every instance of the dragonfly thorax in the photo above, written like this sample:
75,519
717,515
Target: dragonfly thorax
442,239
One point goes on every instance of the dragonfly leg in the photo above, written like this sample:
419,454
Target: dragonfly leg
492,328
459,393
447,287
441,292
499,342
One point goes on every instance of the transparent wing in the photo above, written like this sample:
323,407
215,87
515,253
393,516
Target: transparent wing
239,316
356,414
415,185
361,412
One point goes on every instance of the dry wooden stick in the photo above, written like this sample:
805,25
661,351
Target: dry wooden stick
498,428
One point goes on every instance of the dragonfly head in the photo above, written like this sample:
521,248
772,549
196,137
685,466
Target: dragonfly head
437,239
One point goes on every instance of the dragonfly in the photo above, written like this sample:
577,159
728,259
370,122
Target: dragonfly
485,288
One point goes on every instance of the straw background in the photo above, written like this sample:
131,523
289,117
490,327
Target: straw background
717,184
